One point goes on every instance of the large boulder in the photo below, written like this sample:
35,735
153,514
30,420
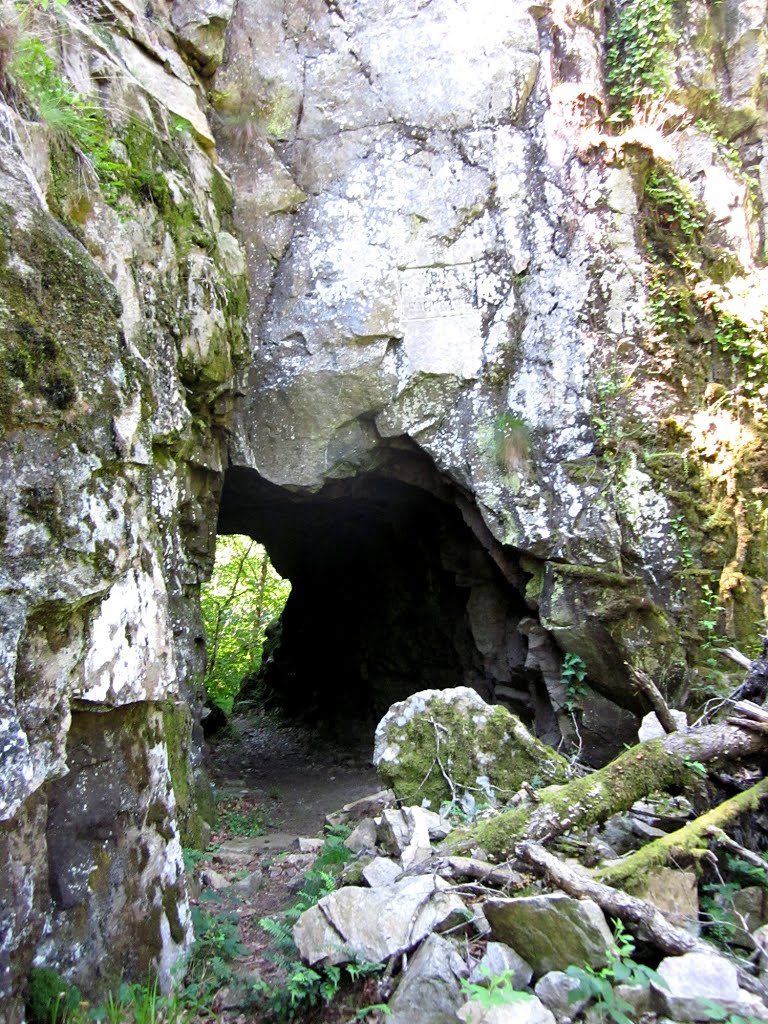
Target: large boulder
430,990
374,924
554,930
693,982
439,735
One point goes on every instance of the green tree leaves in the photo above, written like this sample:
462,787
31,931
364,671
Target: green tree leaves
243,596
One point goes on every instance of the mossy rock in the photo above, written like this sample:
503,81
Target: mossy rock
436,735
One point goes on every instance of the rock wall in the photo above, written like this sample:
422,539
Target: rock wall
458,236
122,295
478,289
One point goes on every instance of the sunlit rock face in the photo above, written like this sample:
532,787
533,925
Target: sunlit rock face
446,244
119,331
474,325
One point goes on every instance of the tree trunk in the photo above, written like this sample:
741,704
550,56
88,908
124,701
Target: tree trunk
659,765
630,871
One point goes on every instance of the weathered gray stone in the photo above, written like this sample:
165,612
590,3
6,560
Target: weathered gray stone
405,834
529,1010
374,924
554,930
676,893
489,751
652,729
363,836
430,992
499,958
381,871
200,27
695,979
555,990
250,885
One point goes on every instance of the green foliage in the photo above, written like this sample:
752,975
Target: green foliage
573,674
209,965
302,987
641,41
717,1012
243,818
677,211
50,999
621,969
494,989
242,597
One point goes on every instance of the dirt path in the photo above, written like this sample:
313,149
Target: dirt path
273,784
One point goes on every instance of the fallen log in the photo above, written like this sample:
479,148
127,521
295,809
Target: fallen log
658,765
630,872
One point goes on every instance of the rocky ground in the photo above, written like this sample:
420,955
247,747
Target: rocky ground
536,938
275,787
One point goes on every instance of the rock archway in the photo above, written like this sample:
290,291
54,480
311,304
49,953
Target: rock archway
397,586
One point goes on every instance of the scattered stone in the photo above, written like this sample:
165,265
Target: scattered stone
525,1011
213,879
405,834
554,930
456,727
306,845
499,958
692,980
749,910
374,924
366,807
363,837
438,827
200,27
381,871
430,990
676,894
652,729
249,885
555,989
638,997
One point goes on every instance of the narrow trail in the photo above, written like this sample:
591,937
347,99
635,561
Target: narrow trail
274,785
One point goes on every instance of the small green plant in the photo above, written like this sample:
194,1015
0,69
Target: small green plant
366,1011
244,823
621,969
302,987
717,1012
696,767
641,41
494,989
50,999
573,674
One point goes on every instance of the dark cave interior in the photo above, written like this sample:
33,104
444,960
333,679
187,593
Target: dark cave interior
392,592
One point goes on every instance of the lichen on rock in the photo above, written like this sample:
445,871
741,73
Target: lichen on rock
438,745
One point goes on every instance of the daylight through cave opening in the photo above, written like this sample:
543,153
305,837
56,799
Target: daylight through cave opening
397,586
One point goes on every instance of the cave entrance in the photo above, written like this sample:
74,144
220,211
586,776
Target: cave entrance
397,586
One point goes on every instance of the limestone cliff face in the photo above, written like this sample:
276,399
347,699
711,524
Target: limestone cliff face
121,294
456,252
504,396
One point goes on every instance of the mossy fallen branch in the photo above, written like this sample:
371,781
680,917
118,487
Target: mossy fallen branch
659,765
630,873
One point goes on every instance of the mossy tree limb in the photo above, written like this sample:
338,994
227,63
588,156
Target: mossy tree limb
631,871
658,765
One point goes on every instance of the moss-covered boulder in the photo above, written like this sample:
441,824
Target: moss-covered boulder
438,745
